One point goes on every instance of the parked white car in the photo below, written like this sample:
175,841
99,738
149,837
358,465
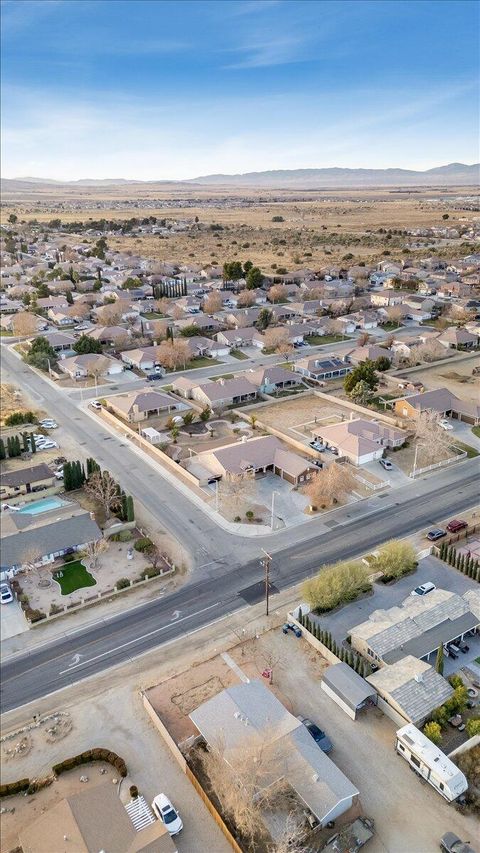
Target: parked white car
48,423
423,589
46,445
165,812
5,594
95,404
445,424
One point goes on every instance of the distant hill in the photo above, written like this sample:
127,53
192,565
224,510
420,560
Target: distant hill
454,174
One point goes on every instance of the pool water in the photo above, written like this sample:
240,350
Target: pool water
46,504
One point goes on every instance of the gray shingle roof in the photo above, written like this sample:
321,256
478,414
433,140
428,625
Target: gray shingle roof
347,684
26,475
48,539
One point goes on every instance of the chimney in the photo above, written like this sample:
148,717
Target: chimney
419,678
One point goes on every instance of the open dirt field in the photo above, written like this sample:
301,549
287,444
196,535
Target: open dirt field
457,377
318,227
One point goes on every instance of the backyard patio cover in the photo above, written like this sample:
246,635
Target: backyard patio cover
350,687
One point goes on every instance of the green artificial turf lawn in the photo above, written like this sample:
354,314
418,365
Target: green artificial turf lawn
73,576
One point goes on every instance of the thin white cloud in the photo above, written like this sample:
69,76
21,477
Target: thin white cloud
21,14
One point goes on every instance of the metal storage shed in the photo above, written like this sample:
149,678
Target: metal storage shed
348,689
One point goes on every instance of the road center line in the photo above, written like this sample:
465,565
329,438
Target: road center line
137,639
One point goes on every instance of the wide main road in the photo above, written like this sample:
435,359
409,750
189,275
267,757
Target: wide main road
69,659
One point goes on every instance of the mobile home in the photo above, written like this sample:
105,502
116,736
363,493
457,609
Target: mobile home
430,763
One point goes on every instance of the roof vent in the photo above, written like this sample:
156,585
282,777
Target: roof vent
419,677
315,777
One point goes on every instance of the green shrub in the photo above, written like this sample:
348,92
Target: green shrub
143,544
34,615
250,515
150,572
68,558
11,788
433,731
123,583
97,754
336,585
123,536
395,559
55,608
473,726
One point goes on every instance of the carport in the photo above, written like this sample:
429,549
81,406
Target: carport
348,689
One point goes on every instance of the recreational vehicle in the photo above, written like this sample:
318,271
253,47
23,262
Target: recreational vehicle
430,763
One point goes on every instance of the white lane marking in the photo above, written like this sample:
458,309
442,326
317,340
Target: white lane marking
175,615
137,639
75,659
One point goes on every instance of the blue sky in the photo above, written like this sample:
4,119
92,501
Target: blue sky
150,89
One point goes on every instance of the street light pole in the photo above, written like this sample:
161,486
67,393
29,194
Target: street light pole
266,563
272,516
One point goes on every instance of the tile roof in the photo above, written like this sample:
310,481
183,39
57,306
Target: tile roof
414,685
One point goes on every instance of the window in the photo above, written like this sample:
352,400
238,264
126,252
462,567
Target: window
441,786
415,761
401,747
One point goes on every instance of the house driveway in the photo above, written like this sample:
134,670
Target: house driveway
464,433
289,505
429,569
12,621
395,478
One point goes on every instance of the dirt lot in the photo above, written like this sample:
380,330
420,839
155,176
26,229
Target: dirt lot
457,377
317,228
363,749
114,719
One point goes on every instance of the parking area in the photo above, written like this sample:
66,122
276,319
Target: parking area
383,597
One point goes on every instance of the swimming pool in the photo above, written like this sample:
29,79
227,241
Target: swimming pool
46,504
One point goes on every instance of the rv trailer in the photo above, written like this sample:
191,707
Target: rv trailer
430,763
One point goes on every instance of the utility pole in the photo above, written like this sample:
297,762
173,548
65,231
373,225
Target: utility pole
267,563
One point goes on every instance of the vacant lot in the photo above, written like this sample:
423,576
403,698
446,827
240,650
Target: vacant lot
457,377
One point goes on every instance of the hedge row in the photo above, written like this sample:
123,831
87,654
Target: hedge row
356,662
97,754
465,563
14,787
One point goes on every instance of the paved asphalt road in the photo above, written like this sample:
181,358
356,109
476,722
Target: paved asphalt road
231,579
71,658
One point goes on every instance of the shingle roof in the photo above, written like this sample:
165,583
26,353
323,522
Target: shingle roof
413,685
48,538
248,716
145,400
347,684
26,475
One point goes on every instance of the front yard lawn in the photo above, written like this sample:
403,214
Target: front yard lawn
73,576
470,451
237,353
476,431
201,361
152,315
318,340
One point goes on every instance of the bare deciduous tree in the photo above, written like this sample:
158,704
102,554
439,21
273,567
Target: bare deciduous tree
331,485
110,315
173,353
433,442
103,487
93,550
276,338
213,302
429,351
394,314
246,299
235,490
277,293
24,324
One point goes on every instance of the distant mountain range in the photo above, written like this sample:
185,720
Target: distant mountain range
454,174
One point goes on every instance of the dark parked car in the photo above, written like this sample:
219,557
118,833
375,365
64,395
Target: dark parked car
456,524
451,843
435,534
319,737
152,377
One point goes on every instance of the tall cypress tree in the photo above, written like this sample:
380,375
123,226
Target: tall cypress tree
67,476
33,446
130,509
3,452
26,442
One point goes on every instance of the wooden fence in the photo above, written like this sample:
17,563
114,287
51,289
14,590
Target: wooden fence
181,761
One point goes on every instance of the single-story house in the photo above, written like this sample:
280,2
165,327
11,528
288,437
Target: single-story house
457,337
137,406
200,346
370,352
387,298
21,481
60,318
247,336
90,364
249,716
224,392
411,687
441,401
184,386
322,369
39,540
418,626
96,819
201,322
360,440
108,334
60,341
255,456
362,319
243,317
143,358
273,378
